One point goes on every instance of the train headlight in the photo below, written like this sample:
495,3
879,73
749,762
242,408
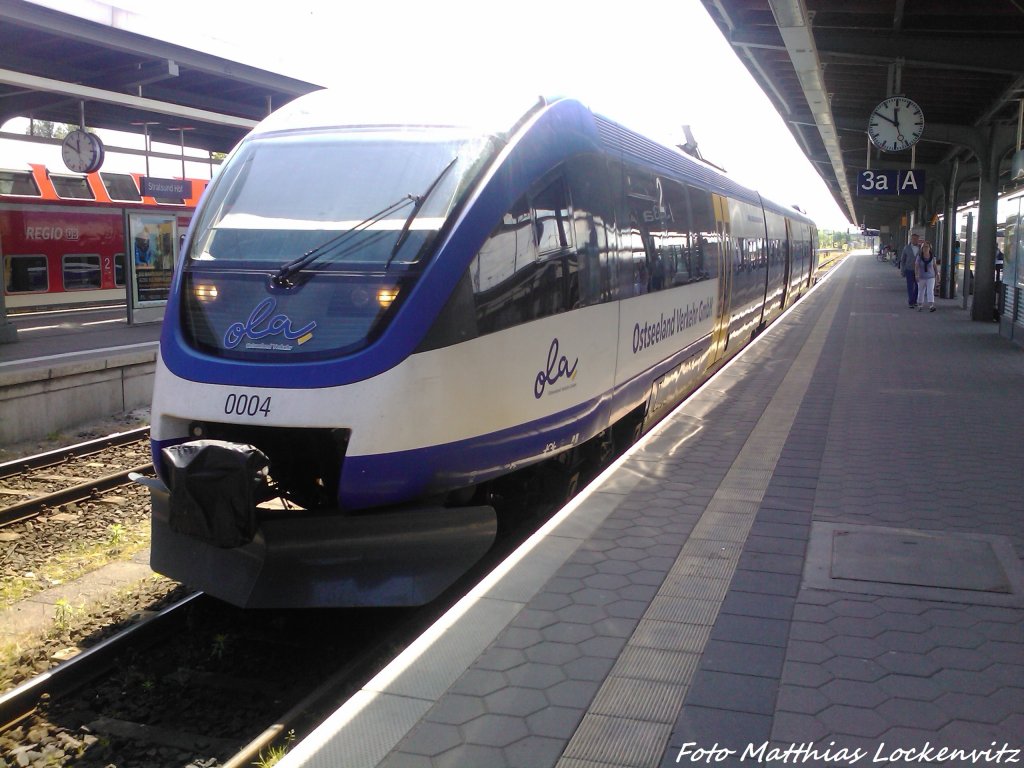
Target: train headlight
385,296
205,291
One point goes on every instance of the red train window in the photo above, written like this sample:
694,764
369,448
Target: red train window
25,274
18,183
74,187
81,271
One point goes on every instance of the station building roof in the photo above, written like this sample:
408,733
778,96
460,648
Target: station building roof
825,65
54,65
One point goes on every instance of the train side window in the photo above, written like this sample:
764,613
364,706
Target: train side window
634,246
72,187
657,242
646,212
587,177
498,269
119,270
81,271
509,248
751,253
26,274
527,269
670,235
18,183
551,212
705,239
556,286
121,186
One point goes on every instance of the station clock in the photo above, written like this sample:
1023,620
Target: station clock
82,151
896,124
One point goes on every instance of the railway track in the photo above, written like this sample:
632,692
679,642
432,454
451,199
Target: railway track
79,471
201,683
78,451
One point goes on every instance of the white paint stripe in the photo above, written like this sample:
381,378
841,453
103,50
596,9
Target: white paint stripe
72,310
66,355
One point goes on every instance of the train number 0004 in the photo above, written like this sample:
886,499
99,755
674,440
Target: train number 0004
247,405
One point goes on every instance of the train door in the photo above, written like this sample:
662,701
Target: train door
723,310
787,253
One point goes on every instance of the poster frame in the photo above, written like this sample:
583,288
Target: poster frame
156,234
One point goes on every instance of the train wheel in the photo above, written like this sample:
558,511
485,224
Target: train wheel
603,450
628,430
462,497
559,481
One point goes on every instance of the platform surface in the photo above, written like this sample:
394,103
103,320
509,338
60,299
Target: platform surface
49,339
816,560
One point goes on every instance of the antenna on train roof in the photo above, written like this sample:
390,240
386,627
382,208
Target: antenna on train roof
690,148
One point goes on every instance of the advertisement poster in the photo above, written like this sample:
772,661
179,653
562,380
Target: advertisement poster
152,248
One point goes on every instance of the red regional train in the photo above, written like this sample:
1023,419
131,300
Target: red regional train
62,235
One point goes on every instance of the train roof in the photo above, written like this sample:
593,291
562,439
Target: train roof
38,182
640,149
327,109
336,109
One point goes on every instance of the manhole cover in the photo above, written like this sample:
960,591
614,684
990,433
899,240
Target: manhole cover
923,560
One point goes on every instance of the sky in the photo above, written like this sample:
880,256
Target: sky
659,66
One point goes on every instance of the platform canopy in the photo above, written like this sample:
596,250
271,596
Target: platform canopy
54,66
826,65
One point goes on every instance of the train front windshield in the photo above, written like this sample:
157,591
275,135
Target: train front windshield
338,221
283,196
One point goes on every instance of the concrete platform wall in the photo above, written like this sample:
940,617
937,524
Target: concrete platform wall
38,402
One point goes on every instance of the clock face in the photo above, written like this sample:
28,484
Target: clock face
896,124
82,151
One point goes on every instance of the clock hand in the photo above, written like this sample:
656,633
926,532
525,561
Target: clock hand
891,120
899,131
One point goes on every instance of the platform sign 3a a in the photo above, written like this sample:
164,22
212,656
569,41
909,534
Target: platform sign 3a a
893,181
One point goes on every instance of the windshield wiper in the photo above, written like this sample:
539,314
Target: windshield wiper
285,271
418,203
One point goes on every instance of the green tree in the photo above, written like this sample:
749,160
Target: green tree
48,129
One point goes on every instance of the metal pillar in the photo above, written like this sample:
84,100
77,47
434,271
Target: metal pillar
947,288
969,283
8,333
985,264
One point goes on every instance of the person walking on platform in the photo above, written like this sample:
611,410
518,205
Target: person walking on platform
908,260
924,269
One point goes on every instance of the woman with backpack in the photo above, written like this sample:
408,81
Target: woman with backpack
924,270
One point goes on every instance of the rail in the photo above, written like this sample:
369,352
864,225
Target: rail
61,460
829,257
30,508
19,703
60,455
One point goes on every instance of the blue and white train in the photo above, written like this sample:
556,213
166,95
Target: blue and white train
374,322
